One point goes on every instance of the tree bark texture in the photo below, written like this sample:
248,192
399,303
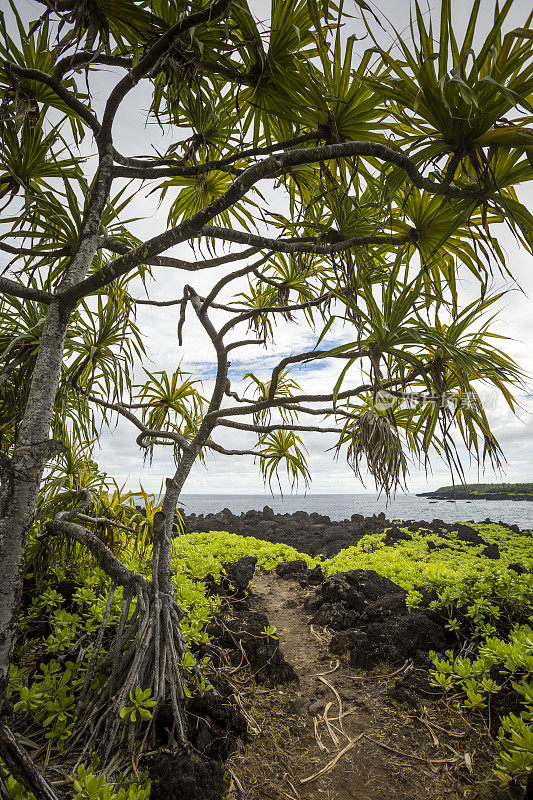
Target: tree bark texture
21,478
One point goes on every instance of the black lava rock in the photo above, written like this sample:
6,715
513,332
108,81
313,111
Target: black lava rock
238,574
312,577
335,616
518,568
291,569
502,703
393,640
213,726
384,608
317,534
413,688
264,655
184,777
491,551
357,589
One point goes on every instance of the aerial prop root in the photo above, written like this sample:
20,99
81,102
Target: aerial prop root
145,651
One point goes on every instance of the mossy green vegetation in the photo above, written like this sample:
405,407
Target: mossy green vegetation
486,601
201,554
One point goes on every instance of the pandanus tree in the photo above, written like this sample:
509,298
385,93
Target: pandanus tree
318,183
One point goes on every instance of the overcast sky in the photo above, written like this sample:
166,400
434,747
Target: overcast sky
120,457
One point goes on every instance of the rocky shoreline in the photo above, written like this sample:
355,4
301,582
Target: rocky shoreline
459,495
317,534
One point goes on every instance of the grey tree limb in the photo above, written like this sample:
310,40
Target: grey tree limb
146,433
272,166
7,286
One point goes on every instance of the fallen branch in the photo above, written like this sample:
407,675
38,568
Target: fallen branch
329,671
452,734
329,726
411,755
338,698
321,746
332,763
381,677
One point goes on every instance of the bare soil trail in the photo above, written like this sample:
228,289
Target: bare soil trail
343,725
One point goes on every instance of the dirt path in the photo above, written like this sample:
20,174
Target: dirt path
280,601
306,652
296,742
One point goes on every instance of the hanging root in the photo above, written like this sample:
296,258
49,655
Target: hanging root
146,652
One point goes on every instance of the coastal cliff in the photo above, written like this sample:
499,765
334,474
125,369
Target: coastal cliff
483,491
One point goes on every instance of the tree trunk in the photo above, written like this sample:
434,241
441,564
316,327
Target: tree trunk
174,487
21,477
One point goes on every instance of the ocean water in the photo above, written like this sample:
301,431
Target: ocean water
342,506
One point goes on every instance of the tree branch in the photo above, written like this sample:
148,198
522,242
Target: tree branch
178,263
267,310
104,520
303,245
261,405
136,168
85,58
219,449
281,426
69,99
319,412
239,273
22,767
145,432
7,286
27,251
197,224
110,564
222,357
310,355
243,343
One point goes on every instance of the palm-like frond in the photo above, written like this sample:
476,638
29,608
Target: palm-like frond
23,98
107,342
283,449
171,402
454,95
29,159
373,438
197,193
285,387
446,358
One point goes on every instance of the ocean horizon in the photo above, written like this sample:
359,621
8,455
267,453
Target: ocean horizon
342,506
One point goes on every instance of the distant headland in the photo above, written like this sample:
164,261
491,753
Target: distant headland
483,491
